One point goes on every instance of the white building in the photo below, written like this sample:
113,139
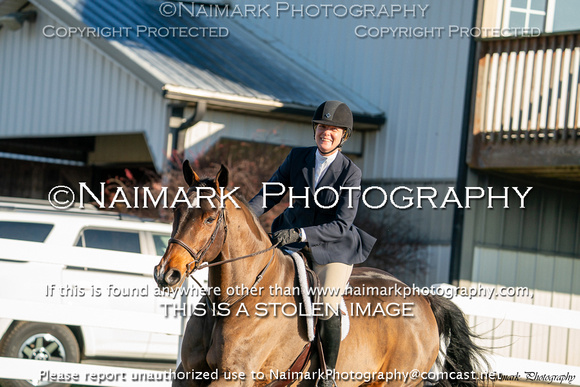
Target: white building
437,103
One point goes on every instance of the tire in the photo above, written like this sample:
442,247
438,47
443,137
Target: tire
31,340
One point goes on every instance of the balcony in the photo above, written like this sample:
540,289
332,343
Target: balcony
527,109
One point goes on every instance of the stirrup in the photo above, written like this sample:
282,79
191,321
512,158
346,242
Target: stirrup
325,382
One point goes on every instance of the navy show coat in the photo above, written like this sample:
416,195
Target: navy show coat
330,233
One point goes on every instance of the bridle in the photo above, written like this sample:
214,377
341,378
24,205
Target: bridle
197,257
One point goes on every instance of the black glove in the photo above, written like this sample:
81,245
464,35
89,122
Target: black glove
285,237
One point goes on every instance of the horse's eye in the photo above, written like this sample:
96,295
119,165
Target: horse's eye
210,220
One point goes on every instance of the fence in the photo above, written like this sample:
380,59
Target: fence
93,375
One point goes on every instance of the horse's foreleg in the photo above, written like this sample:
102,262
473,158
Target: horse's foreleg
195,344
182,382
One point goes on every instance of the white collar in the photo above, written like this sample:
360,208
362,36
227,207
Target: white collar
320,158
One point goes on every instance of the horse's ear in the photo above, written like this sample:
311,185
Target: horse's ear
221,179
189,174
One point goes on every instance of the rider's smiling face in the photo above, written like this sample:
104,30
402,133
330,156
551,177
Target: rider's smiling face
328,138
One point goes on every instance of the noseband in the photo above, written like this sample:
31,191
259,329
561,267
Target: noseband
199,255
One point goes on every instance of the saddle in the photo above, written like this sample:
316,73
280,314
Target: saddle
312,280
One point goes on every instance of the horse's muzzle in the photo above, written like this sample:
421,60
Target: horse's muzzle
168,279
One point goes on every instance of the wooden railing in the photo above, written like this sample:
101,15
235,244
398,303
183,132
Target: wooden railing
527,92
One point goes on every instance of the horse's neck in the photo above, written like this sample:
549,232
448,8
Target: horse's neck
244,237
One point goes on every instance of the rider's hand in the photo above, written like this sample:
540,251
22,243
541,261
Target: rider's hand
286,237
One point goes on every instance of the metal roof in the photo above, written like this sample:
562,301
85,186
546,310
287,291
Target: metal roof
9,6
238,69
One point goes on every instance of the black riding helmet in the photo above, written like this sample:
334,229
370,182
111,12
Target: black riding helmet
334,113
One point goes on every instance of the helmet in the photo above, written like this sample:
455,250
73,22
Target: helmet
334,113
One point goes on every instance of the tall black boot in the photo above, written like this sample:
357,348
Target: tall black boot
330,339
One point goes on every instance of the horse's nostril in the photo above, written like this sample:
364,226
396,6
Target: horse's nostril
158,276
172,277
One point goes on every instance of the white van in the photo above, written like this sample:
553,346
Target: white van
78,284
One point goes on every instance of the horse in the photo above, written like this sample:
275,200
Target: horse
256,346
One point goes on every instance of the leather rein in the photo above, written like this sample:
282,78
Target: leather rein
197,257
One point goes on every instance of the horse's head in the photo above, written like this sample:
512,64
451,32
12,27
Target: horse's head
199,229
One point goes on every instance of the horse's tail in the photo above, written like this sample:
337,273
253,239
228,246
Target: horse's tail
462,357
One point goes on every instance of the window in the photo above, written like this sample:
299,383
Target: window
545,15
527,14
25,231
160,241
110,240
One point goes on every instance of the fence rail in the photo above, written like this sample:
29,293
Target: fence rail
120,377
81,374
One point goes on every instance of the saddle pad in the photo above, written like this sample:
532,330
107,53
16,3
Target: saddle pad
302,280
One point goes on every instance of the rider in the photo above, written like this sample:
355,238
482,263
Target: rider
320,224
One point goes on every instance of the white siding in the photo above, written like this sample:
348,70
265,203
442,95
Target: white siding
216,125
554,281
418,83
66,87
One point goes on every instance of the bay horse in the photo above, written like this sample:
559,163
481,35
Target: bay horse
226,347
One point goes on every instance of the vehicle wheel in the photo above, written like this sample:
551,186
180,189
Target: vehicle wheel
30,340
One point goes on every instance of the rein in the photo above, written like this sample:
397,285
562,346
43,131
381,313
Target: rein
199,255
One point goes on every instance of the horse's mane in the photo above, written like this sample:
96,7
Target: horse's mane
240,199
210,182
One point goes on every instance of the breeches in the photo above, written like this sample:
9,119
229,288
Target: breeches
333,279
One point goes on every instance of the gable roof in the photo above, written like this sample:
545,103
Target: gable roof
237,70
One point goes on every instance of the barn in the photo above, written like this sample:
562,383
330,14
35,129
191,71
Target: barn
446,94
237,87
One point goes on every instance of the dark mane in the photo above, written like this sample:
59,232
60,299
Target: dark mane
210,182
